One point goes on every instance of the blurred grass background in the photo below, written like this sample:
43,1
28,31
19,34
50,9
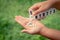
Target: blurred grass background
10,29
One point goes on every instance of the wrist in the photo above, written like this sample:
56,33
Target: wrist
53,1
43,31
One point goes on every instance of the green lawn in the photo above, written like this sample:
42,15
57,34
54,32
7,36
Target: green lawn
10,29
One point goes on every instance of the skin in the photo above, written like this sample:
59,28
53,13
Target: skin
40,28
42,6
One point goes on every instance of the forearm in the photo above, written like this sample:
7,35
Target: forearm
54,0
55,3
50,33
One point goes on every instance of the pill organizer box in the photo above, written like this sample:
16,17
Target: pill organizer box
42,14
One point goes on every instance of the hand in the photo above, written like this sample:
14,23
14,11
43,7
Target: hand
29,29
40,7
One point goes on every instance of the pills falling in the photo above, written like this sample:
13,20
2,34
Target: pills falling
43,14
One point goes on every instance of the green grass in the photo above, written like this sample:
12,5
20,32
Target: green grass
10,29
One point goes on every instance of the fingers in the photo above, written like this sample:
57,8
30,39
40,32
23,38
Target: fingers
21,20
39,11
34,7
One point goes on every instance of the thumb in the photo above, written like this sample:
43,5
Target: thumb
24,31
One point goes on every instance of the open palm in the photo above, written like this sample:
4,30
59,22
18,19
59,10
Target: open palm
29,29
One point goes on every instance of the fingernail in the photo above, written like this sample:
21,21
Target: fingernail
33,14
